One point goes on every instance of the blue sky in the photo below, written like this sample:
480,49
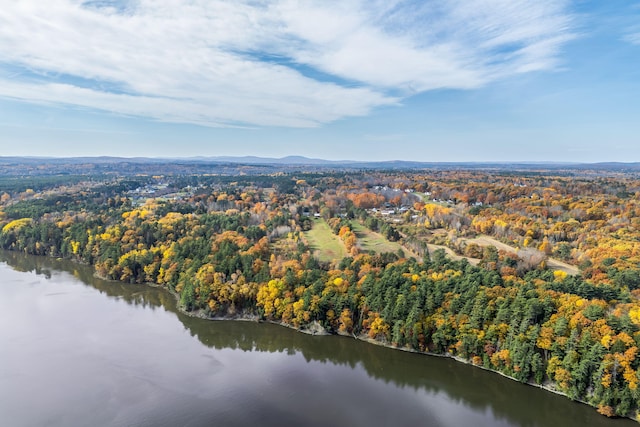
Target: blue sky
459,80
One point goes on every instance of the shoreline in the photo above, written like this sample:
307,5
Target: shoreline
362,338
318,330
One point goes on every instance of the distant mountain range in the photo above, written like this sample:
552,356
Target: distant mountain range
289,160
301,161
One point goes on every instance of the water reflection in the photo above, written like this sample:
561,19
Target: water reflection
503,400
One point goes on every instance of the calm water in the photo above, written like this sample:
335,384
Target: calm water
78,351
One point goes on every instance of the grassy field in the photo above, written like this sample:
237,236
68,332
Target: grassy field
370,241
429,199
325,245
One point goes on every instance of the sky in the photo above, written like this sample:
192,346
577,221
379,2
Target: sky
430,80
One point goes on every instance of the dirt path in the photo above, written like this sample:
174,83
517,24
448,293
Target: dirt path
555,264
490,241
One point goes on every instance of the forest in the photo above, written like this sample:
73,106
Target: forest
534,274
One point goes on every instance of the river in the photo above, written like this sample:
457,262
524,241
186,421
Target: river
79,351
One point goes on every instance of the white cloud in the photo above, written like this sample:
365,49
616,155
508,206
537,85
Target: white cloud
633,38
226,63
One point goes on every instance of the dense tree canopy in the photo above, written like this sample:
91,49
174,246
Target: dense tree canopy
242,248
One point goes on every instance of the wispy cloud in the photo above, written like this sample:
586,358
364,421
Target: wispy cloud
239,63
633,38
420,46
74,130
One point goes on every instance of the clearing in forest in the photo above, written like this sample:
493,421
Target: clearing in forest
372,241
325,245
484,240
552,263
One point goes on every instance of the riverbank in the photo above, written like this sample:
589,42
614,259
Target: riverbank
317,330
462,360
109,343
253,317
